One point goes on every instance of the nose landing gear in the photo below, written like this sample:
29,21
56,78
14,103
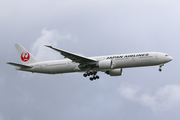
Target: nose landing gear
91,73
160,67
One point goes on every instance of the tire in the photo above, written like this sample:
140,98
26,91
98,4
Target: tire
97,77
85,75
91,78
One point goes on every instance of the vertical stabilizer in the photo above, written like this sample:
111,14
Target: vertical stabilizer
25,56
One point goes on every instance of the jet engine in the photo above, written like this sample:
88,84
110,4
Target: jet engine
115,72
105,64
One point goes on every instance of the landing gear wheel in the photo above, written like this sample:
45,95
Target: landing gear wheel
97,77
94,78
91,78
160,66
85,75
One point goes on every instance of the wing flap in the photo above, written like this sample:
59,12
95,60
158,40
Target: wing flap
74,57
19,65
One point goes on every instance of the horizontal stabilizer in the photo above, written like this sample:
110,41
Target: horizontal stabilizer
19,65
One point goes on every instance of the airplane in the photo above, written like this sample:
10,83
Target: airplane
112,65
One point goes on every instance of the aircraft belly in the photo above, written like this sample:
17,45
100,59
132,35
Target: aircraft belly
61,69
56,69
39,69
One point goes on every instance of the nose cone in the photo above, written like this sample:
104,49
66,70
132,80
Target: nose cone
169,58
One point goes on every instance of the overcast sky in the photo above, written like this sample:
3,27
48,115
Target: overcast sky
90,28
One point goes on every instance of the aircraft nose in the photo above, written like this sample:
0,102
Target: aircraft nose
170,58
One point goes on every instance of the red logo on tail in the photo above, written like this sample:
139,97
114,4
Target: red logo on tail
25,56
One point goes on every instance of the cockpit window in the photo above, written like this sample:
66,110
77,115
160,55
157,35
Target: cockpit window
166,55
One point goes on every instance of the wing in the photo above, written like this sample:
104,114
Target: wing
19,65
74,57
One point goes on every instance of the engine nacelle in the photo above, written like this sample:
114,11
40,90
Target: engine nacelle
115,72
105,64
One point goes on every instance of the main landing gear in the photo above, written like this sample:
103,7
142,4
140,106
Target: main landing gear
94,76
160,67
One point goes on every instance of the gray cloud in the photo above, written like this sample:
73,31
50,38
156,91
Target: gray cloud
51,37
1,117
163,99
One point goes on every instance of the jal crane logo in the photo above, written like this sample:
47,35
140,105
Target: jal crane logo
25,56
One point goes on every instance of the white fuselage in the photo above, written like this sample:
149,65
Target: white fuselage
119,61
